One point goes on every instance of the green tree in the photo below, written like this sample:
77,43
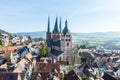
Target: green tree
29,37
82,46
43,50
0,34
1,42
5,60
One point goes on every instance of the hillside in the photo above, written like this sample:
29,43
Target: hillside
4,32
97,38
36,34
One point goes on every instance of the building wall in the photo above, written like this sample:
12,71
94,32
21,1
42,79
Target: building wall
68,41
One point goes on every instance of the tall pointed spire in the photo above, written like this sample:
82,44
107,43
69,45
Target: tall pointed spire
65,30
48,30
60,25
56,26
66,24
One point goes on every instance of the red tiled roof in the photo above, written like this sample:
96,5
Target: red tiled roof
29,56
17,71
12,48
46,67
8,76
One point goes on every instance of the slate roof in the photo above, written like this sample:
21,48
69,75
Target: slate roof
3,70
10,69
55,52
37,59
21,50
108,77
71,76
56,26
49,42
48,30
57,43
65,30
8,76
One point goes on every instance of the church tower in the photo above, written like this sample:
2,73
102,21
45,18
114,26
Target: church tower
48,33
67,37
56,33
60,26
59,41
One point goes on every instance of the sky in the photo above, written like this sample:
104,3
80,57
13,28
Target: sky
83,16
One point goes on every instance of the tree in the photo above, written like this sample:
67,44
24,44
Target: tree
0,34
11,44
29,37
82,46
5,60
43,50
1,42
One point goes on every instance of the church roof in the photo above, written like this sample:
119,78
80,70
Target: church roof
49,42
65,30
56,26
48,30
57,43
60,25
56,53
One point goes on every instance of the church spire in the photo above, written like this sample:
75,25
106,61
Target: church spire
65,30
60,25
48,30
66,24
56,26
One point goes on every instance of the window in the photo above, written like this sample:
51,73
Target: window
69,40
67,44
66,39
67,35
60,59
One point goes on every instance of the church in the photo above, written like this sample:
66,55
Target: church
58,41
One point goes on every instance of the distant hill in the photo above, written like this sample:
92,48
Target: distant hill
4,32
82,38
36,34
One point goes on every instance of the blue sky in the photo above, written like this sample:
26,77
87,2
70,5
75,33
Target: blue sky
82,15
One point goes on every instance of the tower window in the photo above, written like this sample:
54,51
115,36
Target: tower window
66,39
68,36
69,40
67,44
